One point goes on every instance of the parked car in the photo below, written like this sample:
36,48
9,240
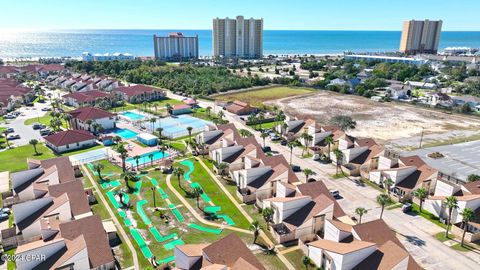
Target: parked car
274,137
9,116
3,216
38,126
335,193
311,180
5,210
29,104
407,208
46,109
284,142
195,153
296,168
13,136
9,130
316,157
267,149
45,132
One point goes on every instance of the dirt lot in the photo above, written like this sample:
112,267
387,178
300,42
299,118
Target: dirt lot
382,121
257,97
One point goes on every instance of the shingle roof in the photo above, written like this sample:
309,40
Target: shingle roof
87,96
69,137
136,90
92,113
339,247
78,198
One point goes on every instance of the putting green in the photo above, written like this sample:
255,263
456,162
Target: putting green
204,229
177,213
141,243
166,260
212,209
159,237
138,186
164,195
171,245
227,219
154,181
190,166
203,195
126,198
141,212
111,184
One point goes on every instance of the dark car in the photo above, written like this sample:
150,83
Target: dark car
267,149
407,208
284,142
296,168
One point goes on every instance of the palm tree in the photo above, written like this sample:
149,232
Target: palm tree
383,200
153,120
5,134
255,227
137,160
34,143
267,214
98,167
178,172
264,135
221,167
339,158
360,211
67,117
468,216
221,114
252,119
196,193
291,145
450,203
89,123
128,176
306,261
329,142
123,155
245,133
150,156
208,110
160,130
421,194
308,172
260,117
117,139
189,130
388,182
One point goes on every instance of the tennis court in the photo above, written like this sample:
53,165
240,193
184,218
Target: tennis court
174,127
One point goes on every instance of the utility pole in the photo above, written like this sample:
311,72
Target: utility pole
421,138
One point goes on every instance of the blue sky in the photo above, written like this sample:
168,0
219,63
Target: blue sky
197,14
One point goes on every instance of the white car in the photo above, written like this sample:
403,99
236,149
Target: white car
13,136
335,193
5,210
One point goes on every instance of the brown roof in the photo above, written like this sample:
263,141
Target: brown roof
194,250
386,257
76,194
63,165
340,247
412,161
228,250
317,188
376,231
92,113
87,96
308,211
341,226
242,264
69,137
181,107
99,252
472,187
135,90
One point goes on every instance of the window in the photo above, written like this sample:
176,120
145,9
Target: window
68,146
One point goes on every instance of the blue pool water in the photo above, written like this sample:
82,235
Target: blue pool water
145,159
125,133
133,115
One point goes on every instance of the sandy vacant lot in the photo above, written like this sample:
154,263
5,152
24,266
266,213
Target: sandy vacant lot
382,121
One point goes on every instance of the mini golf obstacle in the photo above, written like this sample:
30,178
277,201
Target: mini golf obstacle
159,237
171,245
204,229
212,209
138,186
166,260
203,195
142,213
141,243
177,213
110,184
112,199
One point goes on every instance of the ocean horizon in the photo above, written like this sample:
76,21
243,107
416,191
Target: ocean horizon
71,43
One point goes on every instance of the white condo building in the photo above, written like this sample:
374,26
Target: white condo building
175,47
238,37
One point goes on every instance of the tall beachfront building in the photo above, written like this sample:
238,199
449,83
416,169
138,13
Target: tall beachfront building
175,47
420,36
238,37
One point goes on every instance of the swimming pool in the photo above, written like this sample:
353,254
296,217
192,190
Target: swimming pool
125,133
145,159
133,115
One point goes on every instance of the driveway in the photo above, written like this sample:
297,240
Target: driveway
415,232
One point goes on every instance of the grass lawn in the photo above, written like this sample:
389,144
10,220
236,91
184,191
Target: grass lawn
257,97
267,125
15,159
339,175
372,185
464,248
295,258
45,119
427,215
271,262
217,196
441,236
11,265
395,206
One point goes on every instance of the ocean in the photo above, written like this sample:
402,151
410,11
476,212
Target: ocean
140,42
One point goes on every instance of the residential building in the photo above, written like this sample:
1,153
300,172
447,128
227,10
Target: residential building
370,245
420,36
86,56
229,252
139,93
386,59
240,108
76,244
359,156
87,98
238,37
13,93
175,47
70,140
180,109
85,118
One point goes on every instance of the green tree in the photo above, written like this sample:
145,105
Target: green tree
421,194
255,228
360,211
98,167
34,143
339,158
345,122
160,130
308,172
137,160
467,215
267,214
196,193
245,133
388,183
473,178
383,200
306,261
150,156
129,176
264,135
329,142
450,203
189,130
123,155
291,145
178,172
